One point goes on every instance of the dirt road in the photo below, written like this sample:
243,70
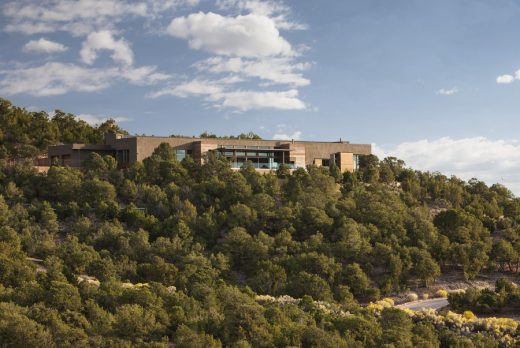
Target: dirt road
434,303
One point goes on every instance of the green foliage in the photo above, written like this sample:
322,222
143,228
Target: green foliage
193,254
27,134
485,301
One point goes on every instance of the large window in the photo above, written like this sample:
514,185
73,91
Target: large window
181,154
261,157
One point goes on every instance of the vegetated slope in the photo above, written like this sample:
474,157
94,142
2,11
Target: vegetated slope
25,134
179,252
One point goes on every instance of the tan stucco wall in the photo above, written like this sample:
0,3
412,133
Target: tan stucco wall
306,149
302,152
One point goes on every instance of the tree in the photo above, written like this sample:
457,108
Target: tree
17,330
504,254
133,322
187,338
270,278
96,191
63,296
424,336
358,281
397,327
62,184
312,285
283,171
425,268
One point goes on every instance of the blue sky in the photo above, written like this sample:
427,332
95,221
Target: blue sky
434,83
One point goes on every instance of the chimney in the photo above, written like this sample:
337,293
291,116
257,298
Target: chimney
110,138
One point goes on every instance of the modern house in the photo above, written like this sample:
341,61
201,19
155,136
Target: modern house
264,154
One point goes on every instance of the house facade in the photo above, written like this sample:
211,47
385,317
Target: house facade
265,155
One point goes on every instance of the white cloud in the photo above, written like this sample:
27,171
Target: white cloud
284,136
282,133
96,120
450,91
155,7
191,88
276,10
81,17
276,70
104,40
505,79
76,16
249,49
44,46
492,161
54,78
243,36
247,100
221,95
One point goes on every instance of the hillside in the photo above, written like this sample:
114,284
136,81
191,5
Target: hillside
202,256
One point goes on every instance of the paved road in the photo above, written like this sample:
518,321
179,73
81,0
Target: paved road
434,303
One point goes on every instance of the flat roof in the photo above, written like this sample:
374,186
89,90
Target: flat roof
242,139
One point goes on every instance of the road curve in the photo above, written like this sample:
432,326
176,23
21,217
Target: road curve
434,303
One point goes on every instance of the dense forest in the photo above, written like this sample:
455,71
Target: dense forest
183,254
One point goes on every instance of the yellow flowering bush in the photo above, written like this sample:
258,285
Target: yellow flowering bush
469,315
441,293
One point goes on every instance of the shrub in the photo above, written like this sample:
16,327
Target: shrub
389,300
412,296
441,293
469,315
425,296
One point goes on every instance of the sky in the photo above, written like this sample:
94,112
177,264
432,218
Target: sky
436,83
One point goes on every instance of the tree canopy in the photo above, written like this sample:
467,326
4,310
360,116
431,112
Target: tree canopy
199,255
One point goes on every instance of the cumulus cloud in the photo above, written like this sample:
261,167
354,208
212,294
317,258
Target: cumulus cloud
247,100
191,88
96,119
75,16
104,40
54,78
81,17
284,133
244,36
450,91
284,136
505,79
249,64
276,70
492,161
277,10
248,48
44,46
220,94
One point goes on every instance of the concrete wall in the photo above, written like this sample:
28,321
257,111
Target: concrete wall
346,162
146,145
324,150
73,155
310,150
301,152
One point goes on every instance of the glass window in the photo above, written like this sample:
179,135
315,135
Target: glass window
180,154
